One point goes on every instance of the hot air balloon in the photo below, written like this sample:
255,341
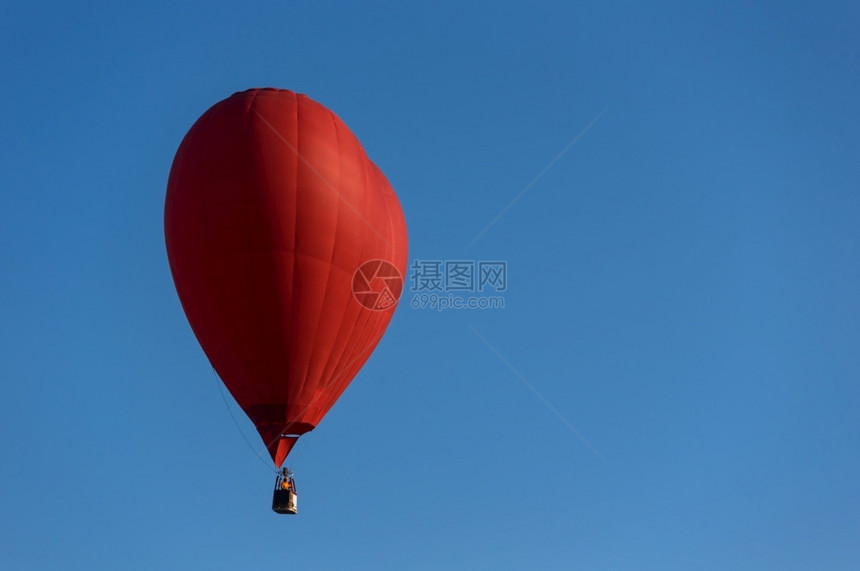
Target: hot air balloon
287,247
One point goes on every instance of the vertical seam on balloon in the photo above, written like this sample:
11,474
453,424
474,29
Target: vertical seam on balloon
306,363
256,275
291,394
366,314
323,369
366,195
292,258
329,372
342,331
321,311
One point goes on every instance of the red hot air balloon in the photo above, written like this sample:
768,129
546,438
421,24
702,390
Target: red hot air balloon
287,247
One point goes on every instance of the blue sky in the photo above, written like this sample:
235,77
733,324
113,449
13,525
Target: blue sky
683,289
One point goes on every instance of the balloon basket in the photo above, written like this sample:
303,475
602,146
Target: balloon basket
285,502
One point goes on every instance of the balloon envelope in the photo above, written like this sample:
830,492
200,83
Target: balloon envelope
284,241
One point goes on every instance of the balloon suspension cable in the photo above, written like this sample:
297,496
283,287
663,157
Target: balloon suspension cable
266,463
298,452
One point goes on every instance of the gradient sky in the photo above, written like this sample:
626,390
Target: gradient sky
683,289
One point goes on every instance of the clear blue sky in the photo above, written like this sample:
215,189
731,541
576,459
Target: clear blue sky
683,289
